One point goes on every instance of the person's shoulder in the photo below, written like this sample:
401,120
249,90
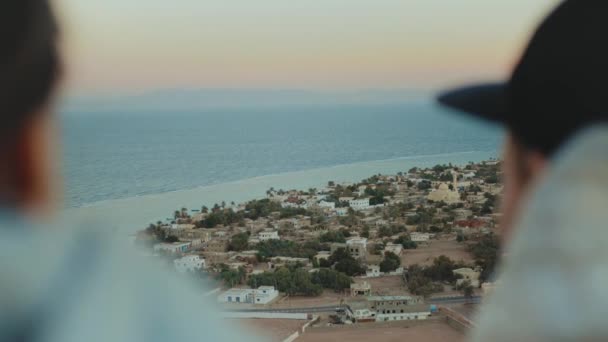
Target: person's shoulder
86,283
548,283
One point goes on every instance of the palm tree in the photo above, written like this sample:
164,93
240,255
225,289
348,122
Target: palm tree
312,191
270,192
204,210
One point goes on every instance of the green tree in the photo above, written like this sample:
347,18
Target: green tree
331,279
171,239
419,284
239,242
349,266
485,252
231,277
405,241
442,269
333,236
390,262
343,262
365,232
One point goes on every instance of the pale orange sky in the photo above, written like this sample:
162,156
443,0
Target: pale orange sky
139,45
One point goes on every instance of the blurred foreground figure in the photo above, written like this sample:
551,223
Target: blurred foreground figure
69,283
555,110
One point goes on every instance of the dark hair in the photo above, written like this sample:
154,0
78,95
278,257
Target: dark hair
29,61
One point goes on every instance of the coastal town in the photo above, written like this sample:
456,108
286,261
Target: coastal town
415,250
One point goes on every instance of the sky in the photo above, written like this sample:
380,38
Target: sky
132,46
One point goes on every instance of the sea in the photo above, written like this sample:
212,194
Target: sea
130,168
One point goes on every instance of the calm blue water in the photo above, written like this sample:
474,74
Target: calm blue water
112,155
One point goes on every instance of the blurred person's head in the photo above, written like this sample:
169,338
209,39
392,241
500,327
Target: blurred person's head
557,89
29,71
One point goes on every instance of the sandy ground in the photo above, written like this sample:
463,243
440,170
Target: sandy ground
270,329
385,286
329,297
468,310
424,255
431,332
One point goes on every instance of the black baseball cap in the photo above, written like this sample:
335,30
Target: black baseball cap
559,86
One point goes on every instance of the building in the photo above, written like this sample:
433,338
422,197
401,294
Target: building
359,204
327,205
322,255
398,308
189,263
444,194
467,274
268,235
395,248
342,211
262,295
462,214
361,312
357,247
420,237
217,246
399,271
360,289
373,271
469,175
182,226
173,248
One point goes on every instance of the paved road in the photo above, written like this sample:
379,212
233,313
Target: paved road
334,308
454,300
315,309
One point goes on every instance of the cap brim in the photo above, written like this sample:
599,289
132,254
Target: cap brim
486,101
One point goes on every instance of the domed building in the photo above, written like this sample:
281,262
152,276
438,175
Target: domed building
443,192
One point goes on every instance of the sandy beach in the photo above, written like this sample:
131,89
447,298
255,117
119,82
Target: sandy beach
131,214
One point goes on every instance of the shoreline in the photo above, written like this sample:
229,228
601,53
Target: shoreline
439,155
127,215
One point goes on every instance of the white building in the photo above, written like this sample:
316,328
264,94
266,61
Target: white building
268,235
262,295
327,205
398,308
359,204
364,315
399,271
342,211
395,248
322,255
176,247
373,271
189,263
469,175
420,237
182,226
